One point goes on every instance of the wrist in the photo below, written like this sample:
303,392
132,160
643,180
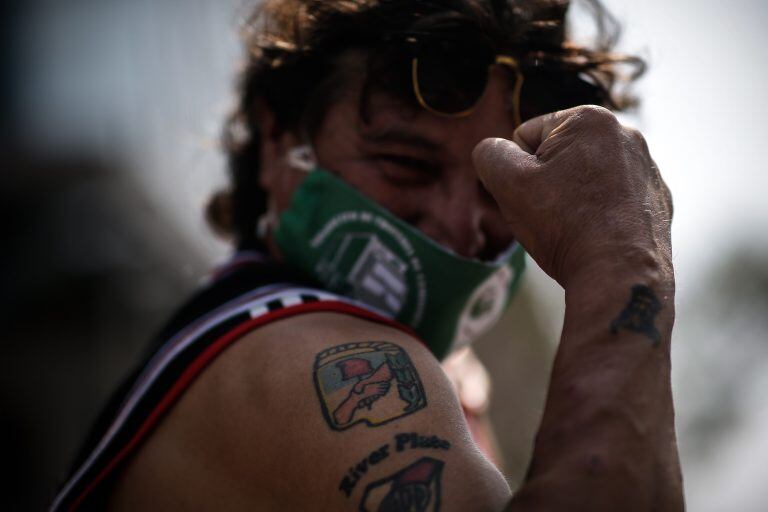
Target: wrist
610,302
617,272
615,299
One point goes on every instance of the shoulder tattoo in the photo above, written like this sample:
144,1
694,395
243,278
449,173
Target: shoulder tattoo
413,488
371,382
402,442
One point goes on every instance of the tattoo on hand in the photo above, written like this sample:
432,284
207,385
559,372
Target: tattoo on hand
415,488
403,442
639,314
371,382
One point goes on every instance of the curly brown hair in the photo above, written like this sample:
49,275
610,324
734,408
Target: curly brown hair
293,68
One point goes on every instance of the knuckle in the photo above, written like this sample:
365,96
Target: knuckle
596,115
485,158
634,134
636,138
668,202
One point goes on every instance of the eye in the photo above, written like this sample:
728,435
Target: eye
406,170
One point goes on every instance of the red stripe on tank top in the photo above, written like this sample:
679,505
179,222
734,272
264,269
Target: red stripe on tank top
213,350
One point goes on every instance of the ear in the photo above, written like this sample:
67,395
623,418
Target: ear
275,144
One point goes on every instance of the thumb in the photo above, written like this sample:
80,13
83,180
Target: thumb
499,163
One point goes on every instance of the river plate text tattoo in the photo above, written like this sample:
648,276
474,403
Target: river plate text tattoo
415,488
371,382
639,314
401,442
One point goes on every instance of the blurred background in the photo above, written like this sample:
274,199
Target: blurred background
111,112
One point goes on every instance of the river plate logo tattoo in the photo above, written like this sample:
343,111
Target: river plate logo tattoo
372,382
413,489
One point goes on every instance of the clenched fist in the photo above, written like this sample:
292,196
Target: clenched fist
585,199
581,193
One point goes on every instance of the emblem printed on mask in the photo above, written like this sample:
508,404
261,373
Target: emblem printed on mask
349,245
371,382
414,488
484,307
374,274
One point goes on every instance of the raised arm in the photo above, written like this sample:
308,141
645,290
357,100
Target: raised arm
589,205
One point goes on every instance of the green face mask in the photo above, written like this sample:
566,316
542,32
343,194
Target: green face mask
354,247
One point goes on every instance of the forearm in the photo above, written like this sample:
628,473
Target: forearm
607,439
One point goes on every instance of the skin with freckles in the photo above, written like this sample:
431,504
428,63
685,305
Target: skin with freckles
584,197
580,191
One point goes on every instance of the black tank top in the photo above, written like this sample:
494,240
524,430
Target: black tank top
248,292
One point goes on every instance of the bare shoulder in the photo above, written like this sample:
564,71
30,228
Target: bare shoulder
322,411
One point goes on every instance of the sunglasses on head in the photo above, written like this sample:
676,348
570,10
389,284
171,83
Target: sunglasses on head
449,72
450,75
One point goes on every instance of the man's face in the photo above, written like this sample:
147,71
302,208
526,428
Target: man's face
416,165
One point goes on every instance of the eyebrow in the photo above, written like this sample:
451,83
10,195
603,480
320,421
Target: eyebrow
401,136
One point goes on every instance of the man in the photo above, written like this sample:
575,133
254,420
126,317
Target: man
382,187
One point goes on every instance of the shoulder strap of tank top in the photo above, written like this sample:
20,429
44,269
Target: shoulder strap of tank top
180,360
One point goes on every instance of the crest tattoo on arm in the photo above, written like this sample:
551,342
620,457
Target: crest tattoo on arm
639,314
415,488
371,382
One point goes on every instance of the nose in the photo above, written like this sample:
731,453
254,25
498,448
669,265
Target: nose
454,217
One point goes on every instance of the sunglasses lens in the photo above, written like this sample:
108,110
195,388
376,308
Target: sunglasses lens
548,91
449,81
